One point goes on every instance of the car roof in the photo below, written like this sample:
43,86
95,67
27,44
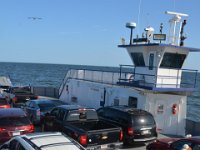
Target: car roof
45,101
129,109
13,112
73,107
50,141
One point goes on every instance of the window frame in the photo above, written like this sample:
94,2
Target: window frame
173,60
138,59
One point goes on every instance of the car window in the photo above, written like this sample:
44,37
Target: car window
61,115
196,146
81,114
55,112
5,146
108,113
14,121
139,120
100,112
20,147
179,144
123,118
13,145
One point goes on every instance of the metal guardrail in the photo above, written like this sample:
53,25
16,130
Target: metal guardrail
155,77
120,76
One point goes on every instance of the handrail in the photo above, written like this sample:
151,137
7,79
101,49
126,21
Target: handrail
120,75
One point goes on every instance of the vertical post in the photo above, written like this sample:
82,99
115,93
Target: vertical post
131,25
195,79
177,78
120,71
131,36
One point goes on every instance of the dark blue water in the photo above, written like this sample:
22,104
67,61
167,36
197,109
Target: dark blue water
51,75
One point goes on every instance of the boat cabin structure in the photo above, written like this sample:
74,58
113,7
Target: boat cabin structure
155,82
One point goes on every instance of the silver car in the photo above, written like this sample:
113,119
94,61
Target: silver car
42,141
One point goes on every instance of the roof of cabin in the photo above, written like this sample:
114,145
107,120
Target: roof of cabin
162,45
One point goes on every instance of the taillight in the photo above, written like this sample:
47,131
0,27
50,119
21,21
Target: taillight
2,129
5,106
121,135
83,140
130,131
38,112
30,128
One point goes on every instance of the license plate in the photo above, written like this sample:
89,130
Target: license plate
104,146
146,132
16,133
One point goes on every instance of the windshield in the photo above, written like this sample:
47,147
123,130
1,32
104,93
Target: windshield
14,121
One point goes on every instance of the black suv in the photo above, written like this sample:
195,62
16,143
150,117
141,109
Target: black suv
138,125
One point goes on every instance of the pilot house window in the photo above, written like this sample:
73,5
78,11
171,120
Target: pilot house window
138,59
173,60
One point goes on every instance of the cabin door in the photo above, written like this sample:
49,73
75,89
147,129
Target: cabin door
172,114
160,110
166,119
151,60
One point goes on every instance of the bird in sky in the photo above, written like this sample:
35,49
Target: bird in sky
35,18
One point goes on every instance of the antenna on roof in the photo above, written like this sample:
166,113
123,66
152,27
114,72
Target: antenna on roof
182,37
173,34
131,25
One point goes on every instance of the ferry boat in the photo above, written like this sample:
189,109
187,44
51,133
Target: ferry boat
154,83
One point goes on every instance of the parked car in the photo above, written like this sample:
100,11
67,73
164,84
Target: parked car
83,125
4,103
138,125
42,141
22,94
14,121
175,143
36,109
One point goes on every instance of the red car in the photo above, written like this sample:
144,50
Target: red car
4,103
175,143
14,122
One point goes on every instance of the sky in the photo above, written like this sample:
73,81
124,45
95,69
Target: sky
86,32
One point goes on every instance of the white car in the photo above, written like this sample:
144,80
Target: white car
42,141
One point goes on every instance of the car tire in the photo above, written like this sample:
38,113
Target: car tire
126,143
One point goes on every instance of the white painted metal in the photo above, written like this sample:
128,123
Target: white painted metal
174,34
